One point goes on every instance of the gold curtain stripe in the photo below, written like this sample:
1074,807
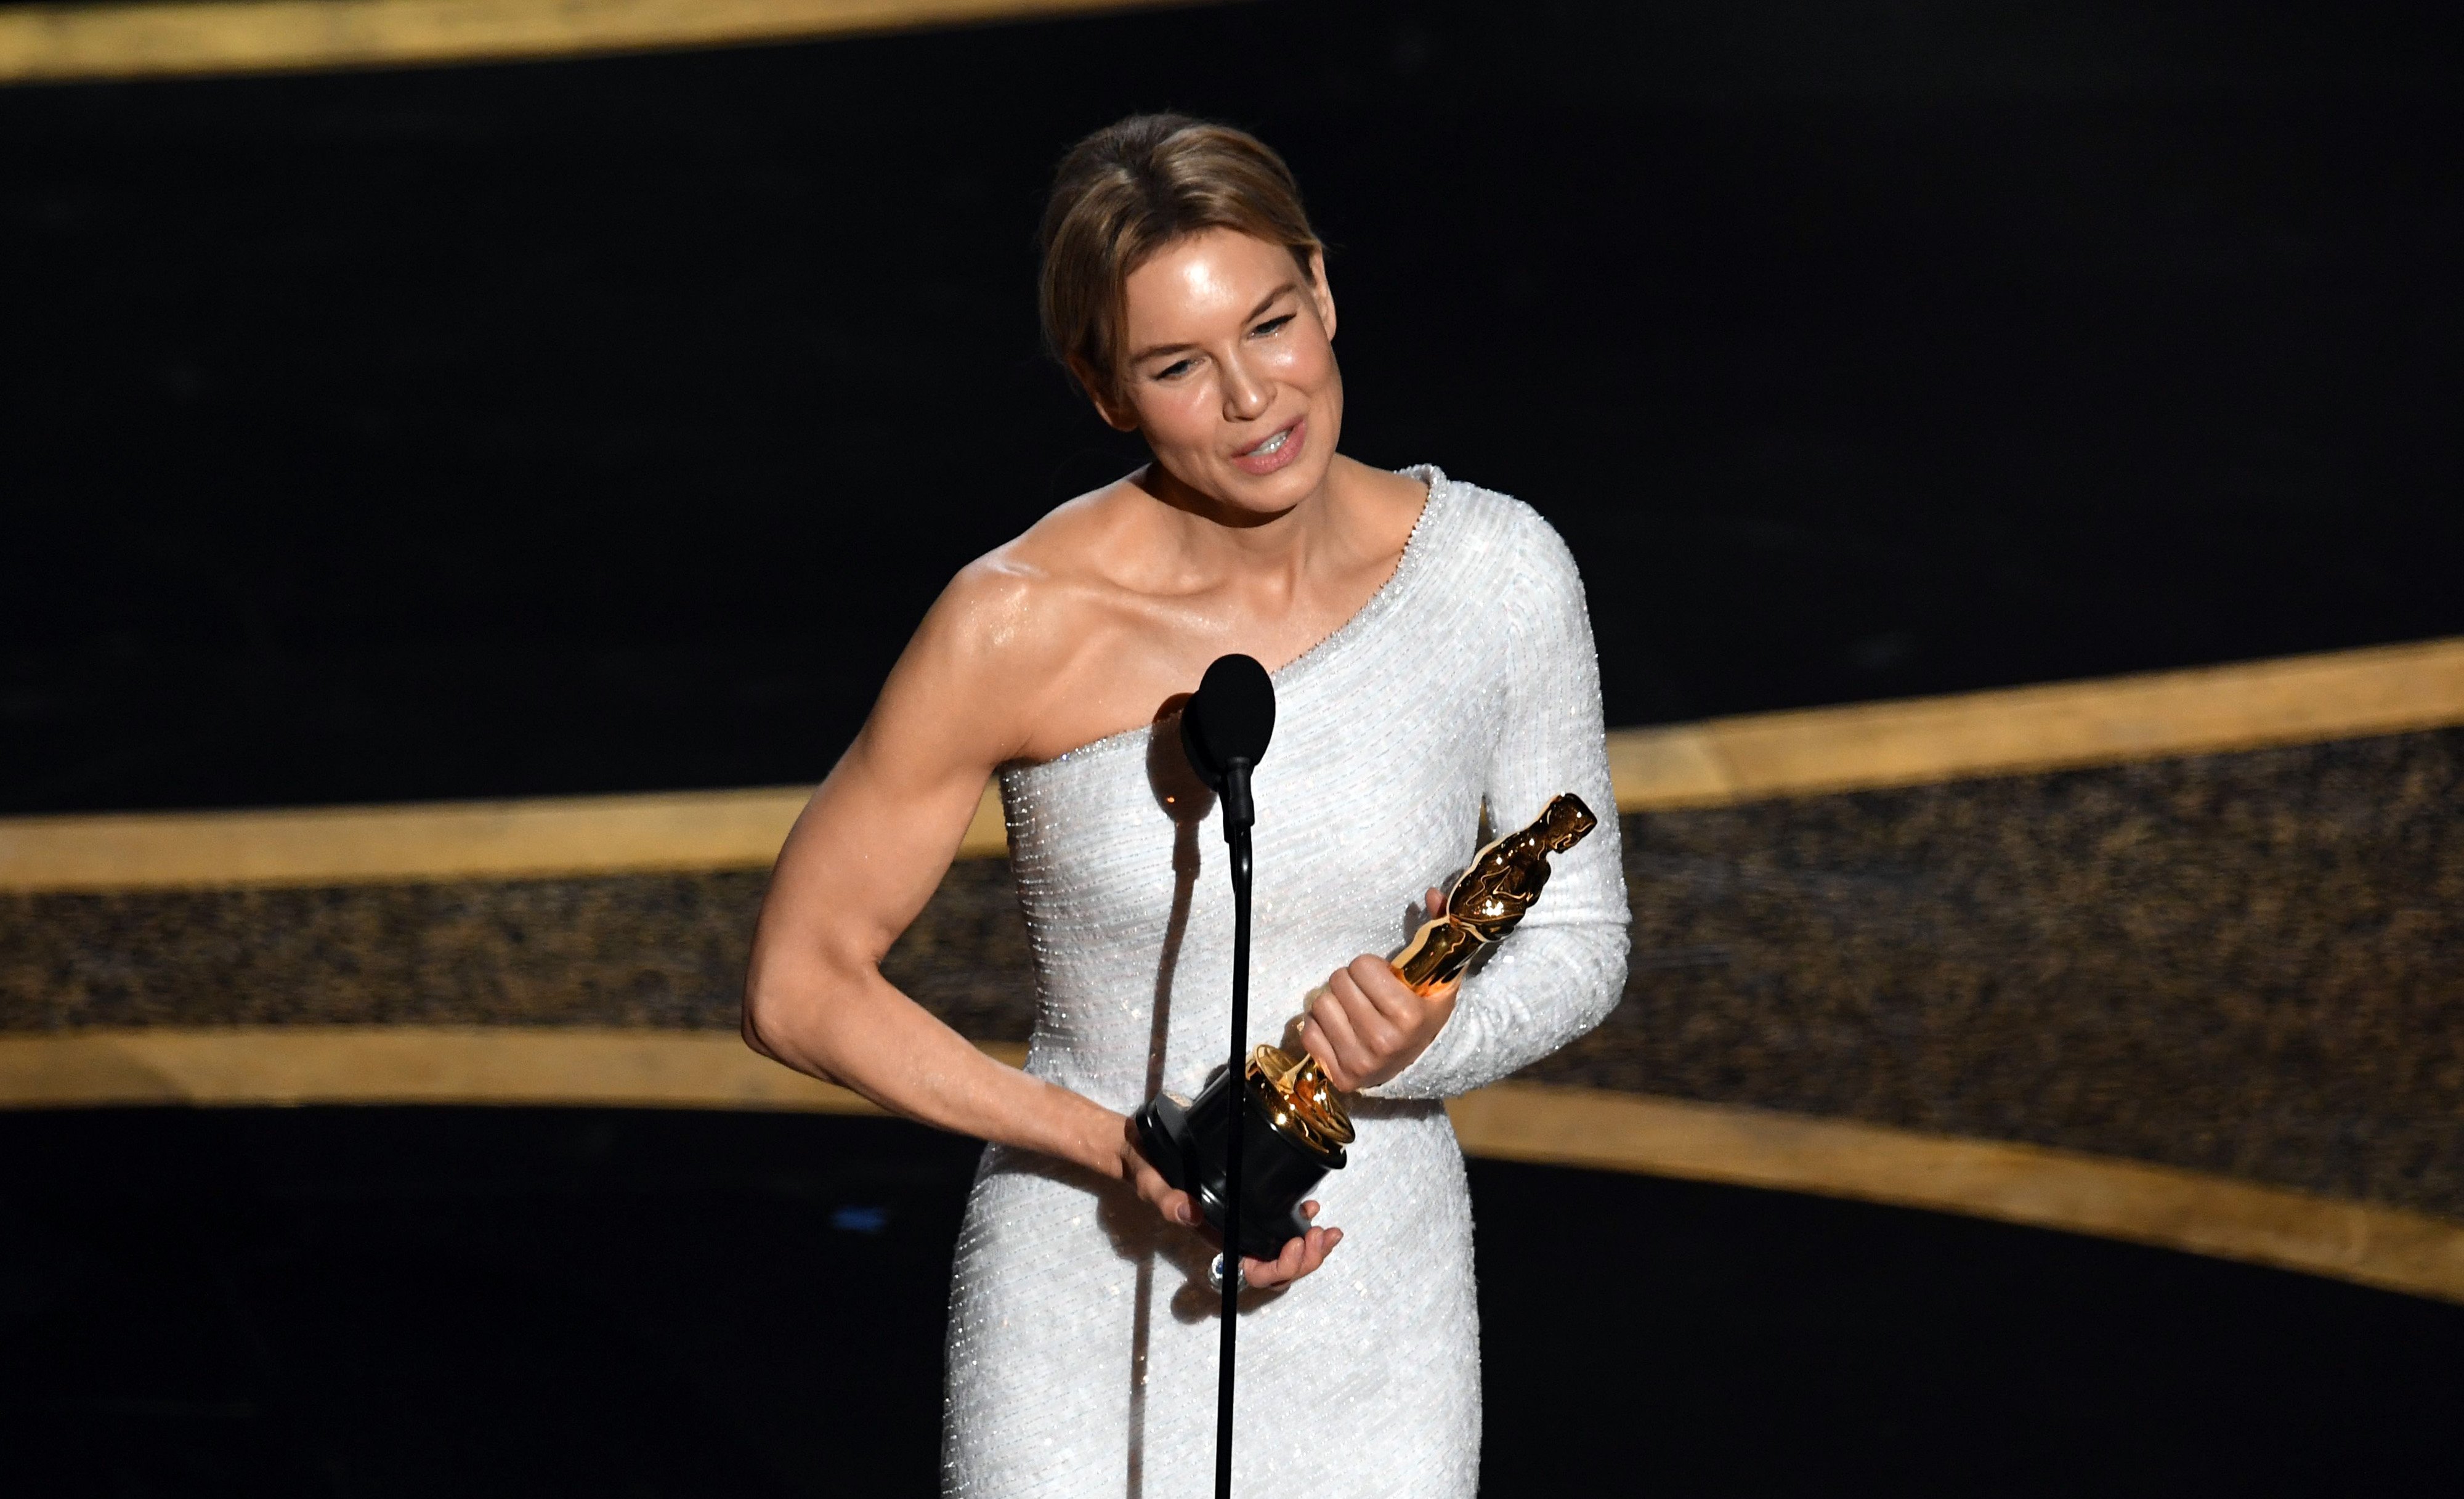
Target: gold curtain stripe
2035,1185
255,1067
424,842
1593,1129
2060,726
63,43
2296,699
381,845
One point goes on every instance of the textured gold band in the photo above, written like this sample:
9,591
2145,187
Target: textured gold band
64,43
2298,699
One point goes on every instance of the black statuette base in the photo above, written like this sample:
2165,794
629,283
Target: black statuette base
1186,1141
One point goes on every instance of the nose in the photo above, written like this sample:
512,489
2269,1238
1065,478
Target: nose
1246,395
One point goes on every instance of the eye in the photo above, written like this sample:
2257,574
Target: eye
1176,369
1271,327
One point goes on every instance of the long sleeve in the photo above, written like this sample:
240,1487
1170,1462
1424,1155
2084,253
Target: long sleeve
1561,971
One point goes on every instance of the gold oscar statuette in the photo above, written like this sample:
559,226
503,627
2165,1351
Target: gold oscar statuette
1296,1124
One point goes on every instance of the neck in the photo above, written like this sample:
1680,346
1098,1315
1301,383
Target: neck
1209,529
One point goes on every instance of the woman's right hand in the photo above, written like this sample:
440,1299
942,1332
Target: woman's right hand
1300,1256
1176,1207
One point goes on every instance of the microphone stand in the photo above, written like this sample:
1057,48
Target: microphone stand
1239,812
1225,728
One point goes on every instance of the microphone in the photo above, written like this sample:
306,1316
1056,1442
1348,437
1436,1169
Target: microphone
1224,728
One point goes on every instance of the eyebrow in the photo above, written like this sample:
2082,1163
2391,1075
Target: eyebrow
1264,302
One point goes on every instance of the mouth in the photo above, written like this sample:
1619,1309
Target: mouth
1273,451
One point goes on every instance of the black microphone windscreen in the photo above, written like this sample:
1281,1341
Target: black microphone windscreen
1231,718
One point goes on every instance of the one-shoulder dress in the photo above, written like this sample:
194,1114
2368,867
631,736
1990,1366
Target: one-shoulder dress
1082,1340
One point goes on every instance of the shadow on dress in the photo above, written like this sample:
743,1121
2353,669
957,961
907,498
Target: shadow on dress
1133,1226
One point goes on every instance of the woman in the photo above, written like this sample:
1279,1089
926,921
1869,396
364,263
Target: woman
1432,658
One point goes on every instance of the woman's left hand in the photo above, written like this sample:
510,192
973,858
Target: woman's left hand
1366,1024
1300,1256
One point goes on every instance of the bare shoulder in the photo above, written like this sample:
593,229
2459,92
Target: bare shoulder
1032,594
1009,626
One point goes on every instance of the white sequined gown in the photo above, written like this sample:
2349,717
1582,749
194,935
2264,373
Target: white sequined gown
1081,1341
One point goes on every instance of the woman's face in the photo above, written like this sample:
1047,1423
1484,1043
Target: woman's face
1231,375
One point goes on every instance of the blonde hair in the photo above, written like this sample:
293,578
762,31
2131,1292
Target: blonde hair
1131,189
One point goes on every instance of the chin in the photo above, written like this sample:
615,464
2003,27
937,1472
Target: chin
1266,498
1273,494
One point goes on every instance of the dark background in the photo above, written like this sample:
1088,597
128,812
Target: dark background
607,424
380,1302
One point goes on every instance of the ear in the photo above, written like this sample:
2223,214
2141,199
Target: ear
1118,418
1321,292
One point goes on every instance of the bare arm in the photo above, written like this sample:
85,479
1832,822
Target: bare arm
868,850
866,854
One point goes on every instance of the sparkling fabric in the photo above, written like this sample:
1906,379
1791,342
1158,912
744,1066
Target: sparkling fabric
1082,1343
